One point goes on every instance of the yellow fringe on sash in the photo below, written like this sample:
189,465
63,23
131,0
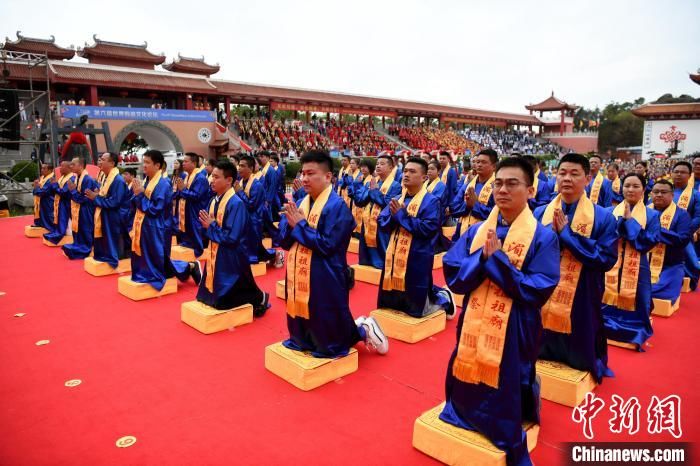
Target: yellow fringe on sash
658,252
75,206
372,211
595,189
140,215
37,199
105,183
181,203
214,246
482,339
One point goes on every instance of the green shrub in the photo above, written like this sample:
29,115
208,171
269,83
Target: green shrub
24,169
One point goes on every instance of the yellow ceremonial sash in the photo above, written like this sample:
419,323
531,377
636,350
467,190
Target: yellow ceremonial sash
183,202
258,175
482,339
616,188
264,169
396,261
101,177
595,189
372,211
105,184
75,206
57,198
344,191
556,313
299,262
622,292
140,214
249,184
430,185
357,212
214,246
484,195
443,175
341,174
687,194
37,199
658,252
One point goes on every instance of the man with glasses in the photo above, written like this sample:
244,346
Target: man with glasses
667,257
688,199
507,267
474,200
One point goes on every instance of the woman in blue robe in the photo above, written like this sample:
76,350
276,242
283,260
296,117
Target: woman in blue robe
632,325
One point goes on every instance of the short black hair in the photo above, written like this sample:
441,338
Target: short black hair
578,159
419,161
434,163
114,156
391,161
346,156
211,162
249,161
266,153
636,175
276,158
531,159
318,156
615,166
131,171
517,162
228,169
156,157
685,164
367,163
49,165
595,156
492,154
445,153
193,157
642,163
666,182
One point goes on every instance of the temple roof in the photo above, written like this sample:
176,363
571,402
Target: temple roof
35,45
695,77
660,110
120,51
551,104
192,65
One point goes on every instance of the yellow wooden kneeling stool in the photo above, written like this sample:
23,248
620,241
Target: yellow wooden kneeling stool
208,320
686,285
181,253
280,289
32,231
140,291
100,269
563,384
305,371
354,246
437,260
259,269
401,326
267,243
456,446
67,239
622,344
664,307
367,274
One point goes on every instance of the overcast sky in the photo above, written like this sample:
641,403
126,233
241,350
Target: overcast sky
496,55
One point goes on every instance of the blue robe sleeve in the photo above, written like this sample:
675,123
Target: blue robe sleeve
117,195
463,272
79,197
483,210
337,227
643,240
45,191
298,195
680,235
360,194
695,212
458,206
425,225
600,253
535,285
605,196
198,190
231,233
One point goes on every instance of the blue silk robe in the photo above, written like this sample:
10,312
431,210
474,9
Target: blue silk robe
451,184
330,330
60,225
196,198
692,251
605,195
82,240
114,243
676,239
255,206
362,195
425,227
45,194
586,347
459,208
281,185
617,197
498,413
634,326
542,196
234,284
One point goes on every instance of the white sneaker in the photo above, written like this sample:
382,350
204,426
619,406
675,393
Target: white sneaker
375,337
451,310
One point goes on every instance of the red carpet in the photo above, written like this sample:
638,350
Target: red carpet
189,398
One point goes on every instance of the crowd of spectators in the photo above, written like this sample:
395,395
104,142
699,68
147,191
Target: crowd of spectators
507,141
282,137
429,138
